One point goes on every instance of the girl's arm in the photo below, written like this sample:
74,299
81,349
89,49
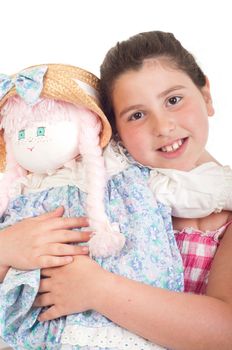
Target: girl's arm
175,320
41,242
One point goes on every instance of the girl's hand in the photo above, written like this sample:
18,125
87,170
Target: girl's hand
70,289
42,241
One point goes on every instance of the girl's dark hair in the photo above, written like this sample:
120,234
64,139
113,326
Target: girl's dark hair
130,54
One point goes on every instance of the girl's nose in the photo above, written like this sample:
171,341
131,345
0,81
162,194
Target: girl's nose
163,126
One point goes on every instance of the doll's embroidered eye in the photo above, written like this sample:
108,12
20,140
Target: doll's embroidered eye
21,135
41,131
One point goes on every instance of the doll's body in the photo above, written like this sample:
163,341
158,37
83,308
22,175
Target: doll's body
52,168
149,255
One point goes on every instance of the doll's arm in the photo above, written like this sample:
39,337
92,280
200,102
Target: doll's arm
41,242
194,194
196,321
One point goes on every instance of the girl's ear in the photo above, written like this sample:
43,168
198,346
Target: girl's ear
207,97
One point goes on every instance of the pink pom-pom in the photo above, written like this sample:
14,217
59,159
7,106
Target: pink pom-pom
109,242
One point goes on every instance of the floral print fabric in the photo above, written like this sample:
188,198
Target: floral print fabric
150,255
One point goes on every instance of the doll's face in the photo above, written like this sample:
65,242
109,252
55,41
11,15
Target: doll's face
44,147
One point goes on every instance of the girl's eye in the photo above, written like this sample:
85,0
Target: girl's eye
41,131
21,135
174,100
136,116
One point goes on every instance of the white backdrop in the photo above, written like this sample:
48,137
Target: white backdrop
80,33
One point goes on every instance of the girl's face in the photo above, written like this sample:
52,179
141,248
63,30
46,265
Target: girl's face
161,116
45,147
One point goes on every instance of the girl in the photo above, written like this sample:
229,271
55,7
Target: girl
52,127
158,100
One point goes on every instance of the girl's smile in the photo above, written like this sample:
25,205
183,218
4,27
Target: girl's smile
160,109
173,150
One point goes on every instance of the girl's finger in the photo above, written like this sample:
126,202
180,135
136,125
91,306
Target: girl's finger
69,236
67,223
44,287
55,213
48,272
50,314
59,249
42,300
47,261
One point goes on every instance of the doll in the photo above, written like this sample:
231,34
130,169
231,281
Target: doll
54,108
45,136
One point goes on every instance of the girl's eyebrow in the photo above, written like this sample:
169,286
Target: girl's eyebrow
171,89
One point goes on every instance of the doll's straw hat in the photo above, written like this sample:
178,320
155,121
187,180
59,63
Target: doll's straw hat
54,81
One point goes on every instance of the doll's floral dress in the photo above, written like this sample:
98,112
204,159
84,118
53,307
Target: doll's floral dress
150,255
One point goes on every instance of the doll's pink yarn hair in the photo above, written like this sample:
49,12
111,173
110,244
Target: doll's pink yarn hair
17,115
12,172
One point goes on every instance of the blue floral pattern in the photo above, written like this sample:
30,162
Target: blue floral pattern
28,83
150,255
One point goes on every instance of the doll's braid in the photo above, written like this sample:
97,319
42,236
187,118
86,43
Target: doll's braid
107,239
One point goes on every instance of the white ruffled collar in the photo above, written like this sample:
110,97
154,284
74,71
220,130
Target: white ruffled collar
72,173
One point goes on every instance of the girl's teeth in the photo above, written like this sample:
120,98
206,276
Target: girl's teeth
173,147
168,148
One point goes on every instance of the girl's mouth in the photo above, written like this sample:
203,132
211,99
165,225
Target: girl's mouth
173,147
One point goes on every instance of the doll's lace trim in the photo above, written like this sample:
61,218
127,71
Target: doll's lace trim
112,337
73,174
115,159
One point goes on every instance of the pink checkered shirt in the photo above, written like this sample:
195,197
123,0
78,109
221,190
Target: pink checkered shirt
197,250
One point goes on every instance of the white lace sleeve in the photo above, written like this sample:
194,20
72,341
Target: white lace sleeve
194,194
